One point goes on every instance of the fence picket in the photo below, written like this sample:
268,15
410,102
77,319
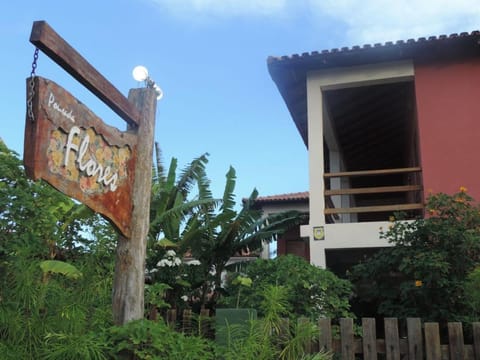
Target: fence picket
307,346
433,350
415,339
204,323
187,321
325,336
172,317
346,335
455,341
392,339
476,339
369,339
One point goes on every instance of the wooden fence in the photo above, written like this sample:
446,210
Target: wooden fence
410,340
421,341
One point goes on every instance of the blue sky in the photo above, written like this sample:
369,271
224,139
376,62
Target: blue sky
209,57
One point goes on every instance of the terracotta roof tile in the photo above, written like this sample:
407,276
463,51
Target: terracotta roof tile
298,196
388,44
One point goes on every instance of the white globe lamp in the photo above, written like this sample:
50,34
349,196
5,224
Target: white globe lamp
140,73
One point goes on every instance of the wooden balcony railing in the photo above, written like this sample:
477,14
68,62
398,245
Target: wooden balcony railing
415,187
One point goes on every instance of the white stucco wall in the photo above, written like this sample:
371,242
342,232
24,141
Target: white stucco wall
344,236
340,235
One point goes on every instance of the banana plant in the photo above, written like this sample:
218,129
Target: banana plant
225,232
172,201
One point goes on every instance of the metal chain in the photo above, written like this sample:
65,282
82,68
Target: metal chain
31,89
34,63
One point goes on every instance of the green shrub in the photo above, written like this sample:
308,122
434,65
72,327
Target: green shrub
271,337
145,339
311,291
64,346
425,274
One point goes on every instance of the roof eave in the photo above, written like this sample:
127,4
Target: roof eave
290,72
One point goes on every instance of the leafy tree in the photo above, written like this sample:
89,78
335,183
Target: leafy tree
311,291
424,274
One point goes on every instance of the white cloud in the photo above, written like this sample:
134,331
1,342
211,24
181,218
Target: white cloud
362,21
372,21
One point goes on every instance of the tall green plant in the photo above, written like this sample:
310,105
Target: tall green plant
172,198
145,339
271,337
177,196
54,282
228,232
41,312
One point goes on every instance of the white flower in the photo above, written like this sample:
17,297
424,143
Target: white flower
184,298
177,261
164,262
171,253
194,262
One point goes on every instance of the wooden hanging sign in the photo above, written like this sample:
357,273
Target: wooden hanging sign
68,146
108,170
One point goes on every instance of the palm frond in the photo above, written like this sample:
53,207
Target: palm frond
268,228
77,212
203,184
172,174
164,242
192,231
228,194
184,208
60,267
191,173
159,172
251,199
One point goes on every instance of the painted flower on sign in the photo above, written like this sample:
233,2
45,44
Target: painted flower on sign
84,157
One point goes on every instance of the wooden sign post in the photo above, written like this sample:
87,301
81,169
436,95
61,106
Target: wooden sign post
108,170
129,281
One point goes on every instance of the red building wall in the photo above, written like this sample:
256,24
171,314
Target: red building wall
448,109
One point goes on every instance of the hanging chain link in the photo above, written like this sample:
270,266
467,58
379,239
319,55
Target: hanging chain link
31,87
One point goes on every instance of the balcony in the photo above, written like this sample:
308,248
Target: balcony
373,195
